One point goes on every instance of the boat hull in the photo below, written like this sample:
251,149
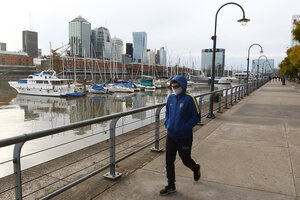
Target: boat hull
43,90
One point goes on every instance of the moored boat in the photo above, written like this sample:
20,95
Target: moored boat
45,83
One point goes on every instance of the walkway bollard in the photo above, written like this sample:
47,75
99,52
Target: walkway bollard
220,99
156,147
17,170
113,175
200,108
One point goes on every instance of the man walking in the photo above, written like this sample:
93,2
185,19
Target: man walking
182,114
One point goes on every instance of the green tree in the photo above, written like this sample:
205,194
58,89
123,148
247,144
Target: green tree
290,66
296,31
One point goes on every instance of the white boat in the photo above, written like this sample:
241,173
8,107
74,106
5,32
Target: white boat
99,89
227,80
161,83
45,83
119,88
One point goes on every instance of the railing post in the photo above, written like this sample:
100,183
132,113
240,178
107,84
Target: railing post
235,94
231,91
156,147
200,108
242,92
226,99
17,170
239,94
220,99
112,140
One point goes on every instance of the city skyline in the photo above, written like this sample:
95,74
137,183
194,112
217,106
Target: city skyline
183,28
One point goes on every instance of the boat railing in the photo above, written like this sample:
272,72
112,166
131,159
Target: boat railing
222,98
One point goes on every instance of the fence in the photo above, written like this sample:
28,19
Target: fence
223,98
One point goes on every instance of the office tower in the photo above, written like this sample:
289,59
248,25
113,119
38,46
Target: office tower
206,62
2,46
80,36
129,49
116,49
101,43
30,43
150,57
139,46
161,57
295,18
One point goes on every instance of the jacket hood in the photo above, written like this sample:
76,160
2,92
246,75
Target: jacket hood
181,80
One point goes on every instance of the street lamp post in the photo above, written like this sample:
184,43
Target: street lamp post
264,68
258,67
261,51
214,38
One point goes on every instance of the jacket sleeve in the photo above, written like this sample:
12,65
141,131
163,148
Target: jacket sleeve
167,114
195,114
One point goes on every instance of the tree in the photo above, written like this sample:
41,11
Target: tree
296,31
290,66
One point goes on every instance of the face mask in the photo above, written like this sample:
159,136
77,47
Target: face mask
177,91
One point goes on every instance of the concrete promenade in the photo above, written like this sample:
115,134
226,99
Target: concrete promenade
250,151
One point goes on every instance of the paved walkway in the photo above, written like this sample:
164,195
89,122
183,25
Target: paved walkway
251,151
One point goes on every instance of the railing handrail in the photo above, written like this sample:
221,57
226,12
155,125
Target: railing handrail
39,134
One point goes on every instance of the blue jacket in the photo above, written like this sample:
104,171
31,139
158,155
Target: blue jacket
182,112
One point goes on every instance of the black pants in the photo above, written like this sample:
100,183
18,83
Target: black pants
184,148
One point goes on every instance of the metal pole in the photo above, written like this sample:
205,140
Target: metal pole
113,175
17,170
248,63
226,99
231,91
214,38
200,108
156,147
220,99
235,94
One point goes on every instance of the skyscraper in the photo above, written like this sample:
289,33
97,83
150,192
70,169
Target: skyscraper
101,43
161,57
2,46
295,18
129,49
139,47
80,36
117,49
206,62
30,43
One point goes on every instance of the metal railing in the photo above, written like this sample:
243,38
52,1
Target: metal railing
226,96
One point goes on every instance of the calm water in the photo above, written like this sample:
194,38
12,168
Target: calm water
21,114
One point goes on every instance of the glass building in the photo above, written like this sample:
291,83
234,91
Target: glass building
117,49
80,37
206,62
139,47
101,43
30,43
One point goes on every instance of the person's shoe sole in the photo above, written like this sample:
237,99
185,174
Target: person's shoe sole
169,192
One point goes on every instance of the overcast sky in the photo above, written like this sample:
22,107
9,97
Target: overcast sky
183,27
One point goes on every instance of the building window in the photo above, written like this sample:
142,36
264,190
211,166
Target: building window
3,61
20,62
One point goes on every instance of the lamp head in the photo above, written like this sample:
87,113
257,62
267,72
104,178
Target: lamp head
261,52
244,21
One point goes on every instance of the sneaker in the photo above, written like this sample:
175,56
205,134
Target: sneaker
197,173
168,189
